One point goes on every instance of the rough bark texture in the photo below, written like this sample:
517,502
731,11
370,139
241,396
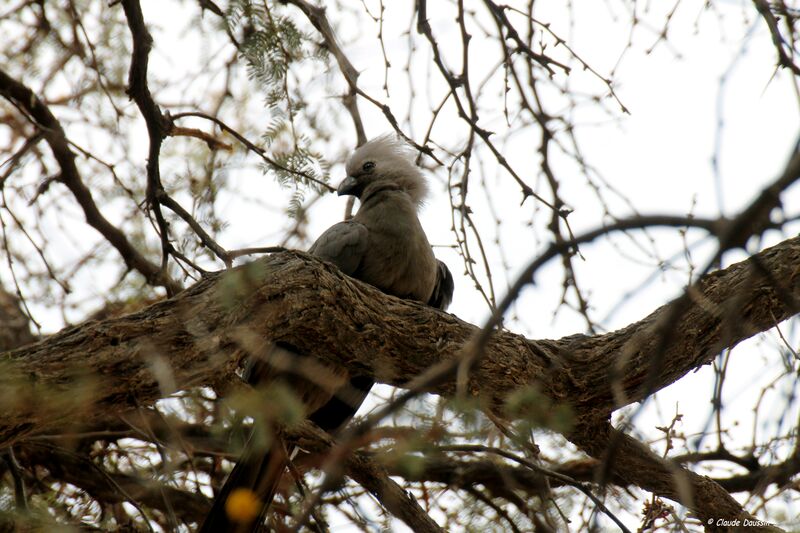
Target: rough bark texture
14,327
88,372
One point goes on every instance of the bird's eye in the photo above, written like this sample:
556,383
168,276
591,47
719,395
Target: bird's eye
369,165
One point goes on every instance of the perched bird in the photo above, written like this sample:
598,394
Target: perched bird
383,245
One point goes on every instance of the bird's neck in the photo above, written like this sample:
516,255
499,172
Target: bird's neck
378,193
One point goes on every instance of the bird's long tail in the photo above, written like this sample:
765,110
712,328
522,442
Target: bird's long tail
248,490
244,499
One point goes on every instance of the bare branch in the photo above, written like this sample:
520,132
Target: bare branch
369,474
40,115
784,59
157,124
254,148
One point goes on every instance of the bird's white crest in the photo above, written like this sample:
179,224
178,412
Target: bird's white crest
394,160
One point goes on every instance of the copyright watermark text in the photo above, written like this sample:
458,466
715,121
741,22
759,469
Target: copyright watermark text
722,522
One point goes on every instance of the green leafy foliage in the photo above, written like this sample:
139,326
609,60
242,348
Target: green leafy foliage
536,410
271,45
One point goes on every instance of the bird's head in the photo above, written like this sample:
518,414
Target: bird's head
384,162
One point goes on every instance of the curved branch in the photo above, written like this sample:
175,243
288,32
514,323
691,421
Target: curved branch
316,15
784,59
254,148
157,124
41,116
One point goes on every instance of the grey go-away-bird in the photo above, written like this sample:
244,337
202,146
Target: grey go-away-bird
383,245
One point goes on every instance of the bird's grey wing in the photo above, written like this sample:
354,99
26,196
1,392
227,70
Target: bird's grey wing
343,244
442,293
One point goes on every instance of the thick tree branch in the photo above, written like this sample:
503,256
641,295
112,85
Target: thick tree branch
199,337
637,464
311,306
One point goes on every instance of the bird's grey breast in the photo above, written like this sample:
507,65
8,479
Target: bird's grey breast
400,260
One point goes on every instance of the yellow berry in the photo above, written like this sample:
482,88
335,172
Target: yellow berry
242,506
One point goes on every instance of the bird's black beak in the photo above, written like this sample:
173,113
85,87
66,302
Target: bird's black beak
347,186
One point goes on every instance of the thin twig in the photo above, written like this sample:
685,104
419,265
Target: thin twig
254,148
39,114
